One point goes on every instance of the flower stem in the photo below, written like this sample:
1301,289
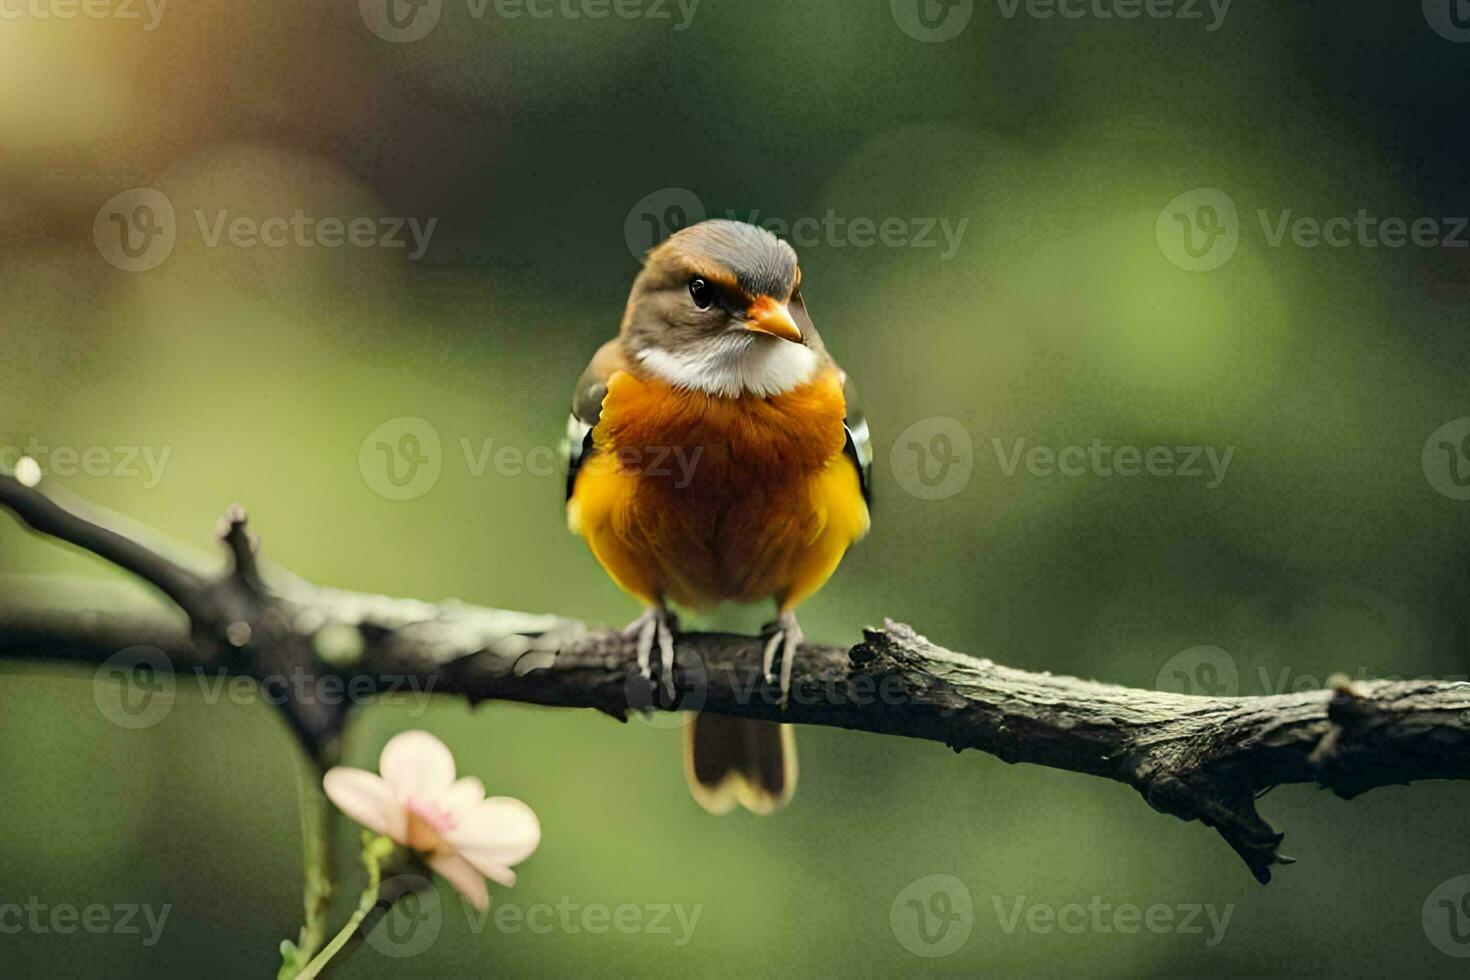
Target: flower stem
316,832
374,851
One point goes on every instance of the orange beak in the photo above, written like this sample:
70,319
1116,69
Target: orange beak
768,316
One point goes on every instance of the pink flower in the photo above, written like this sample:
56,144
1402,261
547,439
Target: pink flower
419,804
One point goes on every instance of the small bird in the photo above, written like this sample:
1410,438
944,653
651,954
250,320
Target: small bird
717,455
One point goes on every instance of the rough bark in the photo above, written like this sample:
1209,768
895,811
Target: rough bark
1197,758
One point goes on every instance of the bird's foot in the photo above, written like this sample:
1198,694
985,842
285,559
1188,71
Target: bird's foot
656,625
784,635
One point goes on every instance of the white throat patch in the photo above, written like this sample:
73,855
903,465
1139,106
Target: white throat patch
731,364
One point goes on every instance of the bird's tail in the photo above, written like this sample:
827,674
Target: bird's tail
735,760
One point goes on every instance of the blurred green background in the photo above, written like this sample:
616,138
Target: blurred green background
538,145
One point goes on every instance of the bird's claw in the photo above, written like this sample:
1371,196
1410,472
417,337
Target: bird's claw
785,636
656,625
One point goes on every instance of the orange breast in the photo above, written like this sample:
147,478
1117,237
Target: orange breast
700,499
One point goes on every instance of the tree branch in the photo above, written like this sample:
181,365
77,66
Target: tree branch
1197,758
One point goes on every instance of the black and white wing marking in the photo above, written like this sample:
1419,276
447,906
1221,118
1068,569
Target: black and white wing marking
587,408
859,446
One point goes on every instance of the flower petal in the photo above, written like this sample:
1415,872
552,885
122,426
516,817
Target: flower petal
462,796
501,876
416,764
495,833
368,799
465,879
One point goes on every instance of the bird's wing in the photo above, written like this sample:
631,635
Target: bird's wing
859,446
587,406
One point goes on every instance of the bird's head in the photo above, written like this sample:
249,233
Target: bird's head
718,308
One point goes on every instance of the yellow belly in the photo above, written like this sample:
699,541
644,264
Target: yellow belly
702,501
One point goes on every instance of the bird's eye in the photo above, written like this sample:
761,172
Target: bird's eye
702,293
